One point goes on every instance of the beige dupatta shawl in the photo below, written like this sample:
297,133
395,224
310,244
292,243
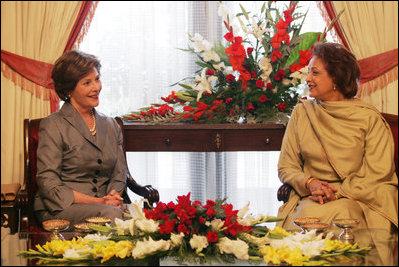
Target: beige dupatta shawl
346,143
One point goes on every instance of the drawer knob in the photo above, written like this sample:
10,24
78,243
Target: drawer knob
218,141
267,140
167,141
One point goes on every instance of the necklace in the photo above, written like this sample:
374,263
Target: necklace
93,129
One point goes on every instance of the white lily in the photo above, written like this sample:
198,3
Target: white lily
301,74
176,239
219,66
136,209
237,247
258,30
198,242
149,246
96,237
204,83
124,226
266,67
147,225
210,55
215,224
200,44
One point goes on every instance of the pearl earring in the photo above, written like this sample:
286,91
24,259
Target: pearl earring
334,88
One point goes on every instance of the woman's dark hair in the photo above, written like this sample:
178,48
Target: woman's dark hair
341,65
69,69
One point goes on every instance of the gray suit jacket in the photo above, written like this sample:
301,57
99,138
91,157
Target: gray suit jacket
70,158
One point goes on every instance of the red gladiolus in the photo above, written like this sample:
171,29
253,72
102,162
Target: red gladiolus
276,54
202,106
212,237
262,99
188,108
260,83
228,100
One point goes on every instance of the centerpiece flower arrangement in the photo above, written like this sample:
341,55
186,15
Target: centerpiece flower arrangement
192,232
252,78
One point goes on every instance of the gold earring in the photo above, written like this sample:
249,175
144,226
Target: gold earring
334,88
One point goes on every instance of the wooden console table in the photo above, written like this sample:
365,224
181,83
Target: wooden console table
203,137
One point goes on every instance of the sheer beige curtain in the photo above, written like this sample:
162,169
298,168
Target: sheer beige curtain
38,30
371,28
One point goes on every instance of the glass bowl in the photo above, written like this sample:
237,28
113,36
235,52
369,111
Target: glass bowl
55,226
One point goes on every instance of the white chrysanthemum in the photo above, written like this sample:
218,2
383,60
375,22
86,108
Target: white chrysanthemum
236,247
149,246
198,242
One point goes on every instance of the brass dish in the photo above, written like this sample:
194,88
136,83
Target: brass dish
83,227
346,225
55,226
98,220
318,226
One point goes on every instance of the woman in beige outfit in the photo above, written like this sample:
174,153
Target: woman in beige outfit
338,152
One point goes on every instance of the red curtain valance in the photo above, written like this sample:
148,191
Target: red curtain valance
374,66
36,71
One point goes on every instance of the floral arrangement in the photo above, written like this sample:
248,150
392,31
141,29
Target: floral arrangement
192,232
252,78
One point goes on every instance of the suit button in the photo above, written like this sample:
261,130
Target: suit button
97,172
94,189
99,161
95,180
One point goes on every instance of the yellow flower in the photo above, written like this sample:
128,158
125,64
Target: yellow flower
277,256
123,248
270,254
332,245
280,231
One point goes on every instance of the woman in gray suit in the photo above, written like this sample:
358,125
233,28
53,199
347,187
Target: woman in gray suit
81,168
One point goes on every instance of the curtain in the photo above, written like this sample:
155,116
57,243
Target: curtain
29,47
370,29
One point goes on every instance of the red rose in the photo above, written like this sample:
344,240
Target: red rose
230,78
269,85
250,108
181,228
254,74
231,112
201,220
228,100
281,106
262,99
210,72
212,237
260,83
210,212
167,227
249,50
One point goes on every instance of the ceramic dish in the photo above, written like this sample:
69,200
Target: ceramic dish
318,226
52,225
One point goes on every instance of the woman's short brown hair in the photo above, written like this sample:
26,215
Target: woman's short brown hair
69,69
341,65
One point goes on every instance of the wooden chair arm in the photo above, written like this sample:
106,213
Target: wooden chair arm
283,193
147,191
23,207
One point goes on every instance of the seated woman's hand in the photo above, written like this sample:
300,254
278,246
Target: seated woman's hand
321,192
113,199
